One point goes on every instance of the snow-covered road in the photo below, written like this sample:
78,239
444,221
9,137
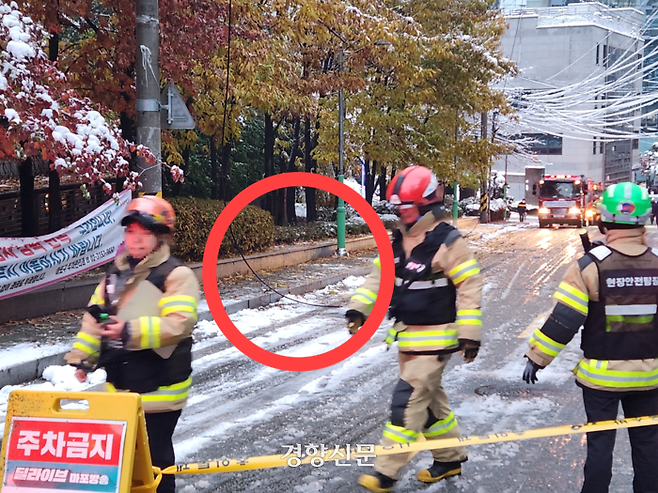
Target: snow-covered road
240,408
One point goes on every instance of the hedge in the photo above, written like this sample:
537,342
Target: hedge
252,229
324,230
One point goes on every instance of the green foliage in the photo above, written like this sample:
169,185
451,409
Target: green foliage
251,231
413,72
247,155
324,230
308,232
197,171
433,81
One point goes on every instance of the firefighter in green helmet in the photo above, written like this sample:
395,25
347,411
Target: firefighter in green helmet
612,292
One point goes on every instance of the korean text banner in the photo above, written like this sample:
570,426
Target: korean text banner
64,455
30,263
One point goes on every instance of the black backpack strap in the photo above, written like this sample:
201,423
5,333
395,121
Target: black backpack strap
159,274
452,237
584,261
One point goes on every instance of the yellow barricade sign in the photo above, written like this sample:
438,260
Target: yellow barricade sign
269,461
75,441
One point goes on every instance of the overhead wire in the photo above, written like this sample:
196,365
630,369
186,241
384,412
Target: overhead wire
571,105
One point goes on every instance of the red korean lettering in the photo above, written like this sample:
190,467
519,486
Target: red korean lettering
37,246
53,243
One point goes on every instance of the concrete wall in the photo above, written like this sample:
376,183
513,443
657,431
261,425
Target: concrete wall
73,295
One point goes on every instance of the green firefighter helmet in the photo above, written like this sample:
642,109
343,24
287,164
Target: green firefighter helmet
625,203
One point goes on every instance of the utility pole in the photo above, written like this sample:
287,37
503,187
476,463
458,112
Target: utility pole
340,211
147,105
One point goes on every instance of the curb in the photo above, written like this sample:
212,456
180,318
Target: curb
31,370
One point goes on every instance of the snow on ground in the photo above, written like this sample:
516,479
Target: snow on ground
503,230
289,321
62,378
27,351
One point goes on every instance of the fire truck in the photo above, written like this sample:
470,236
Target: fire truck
562,200
593,195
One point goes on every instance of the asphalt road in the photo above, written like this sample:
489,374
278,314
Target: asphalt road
240,408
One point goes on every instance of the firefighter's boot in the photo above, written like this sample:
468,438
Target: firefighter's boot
439,471
377,482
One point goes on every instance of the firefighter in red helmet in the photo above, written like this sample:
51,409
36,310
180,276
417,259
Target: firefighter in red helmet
436,307
139,325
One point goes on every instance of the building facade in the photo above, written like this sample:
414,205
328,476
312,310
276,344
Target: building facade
569,58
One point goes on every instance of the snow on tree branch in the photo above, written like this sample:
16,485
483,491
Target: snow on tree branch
42,116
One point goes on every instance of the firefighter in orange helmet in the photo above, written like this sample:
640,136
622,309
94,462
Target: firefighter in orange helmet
436,306
139,325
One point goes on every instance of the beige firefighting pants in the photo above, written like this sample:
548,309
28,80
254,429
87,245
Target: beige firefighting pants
423,374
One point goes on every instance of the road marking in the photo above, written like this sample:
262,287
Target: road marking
537,323
509,287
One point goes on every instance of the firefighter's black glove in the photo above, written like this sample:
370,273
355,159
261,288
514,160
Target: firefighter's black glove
469,349
99,313
85,367
530,371
355,320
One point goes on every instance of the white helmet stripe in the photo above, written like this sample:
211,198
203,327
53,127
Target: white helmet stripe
431,186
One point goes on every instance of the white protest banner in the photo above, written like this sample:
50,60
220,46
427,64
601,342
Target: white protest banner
30,263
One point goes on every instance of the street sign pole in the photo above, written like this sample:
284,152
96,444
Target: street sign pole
340,211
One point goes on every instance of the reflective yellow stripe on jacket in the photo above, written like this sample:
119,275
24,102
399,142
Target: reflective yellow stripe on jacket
87,344
572,297
427,339
178,303
464,271
399,434
365,296
441,427
391,336
545,344
98,297
149,330
469,317
168,393
597,372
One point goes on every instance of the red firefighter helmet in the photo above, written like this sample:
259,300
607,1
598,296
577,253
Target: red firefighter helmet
154,213
415,185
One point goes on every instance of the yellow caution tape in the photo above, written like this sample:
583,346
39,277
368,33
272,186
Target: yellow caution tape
269,461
